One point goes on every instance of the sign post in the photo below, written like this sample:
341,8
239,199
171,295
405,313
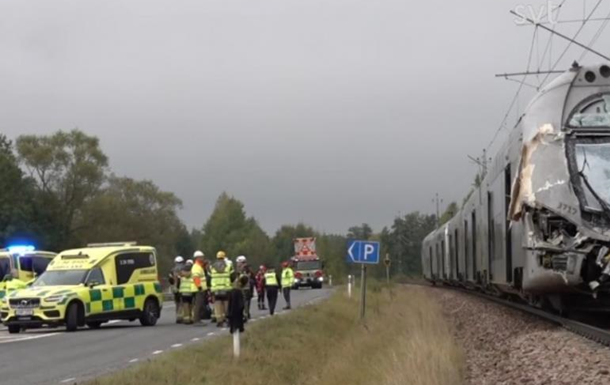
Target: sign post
387,262
364,253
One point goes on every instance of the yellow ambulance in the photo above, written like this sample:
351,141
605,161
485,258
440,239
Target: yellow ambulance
89,286
24,260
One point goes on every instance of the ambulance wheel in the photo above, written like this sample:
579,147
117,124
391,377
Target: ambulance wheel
94,324
72,317
150,313
14,329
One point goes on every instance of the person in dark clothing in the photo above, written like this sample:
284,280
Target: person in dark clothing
245,271
272,287
235,313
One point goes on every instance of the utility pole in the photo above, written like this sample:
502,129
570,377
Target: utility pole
438,203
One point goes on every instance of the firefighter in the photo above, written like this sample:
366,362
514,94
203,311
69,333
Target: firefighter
220,273
260,287
200,285
287,282
188,290
174,281
271,287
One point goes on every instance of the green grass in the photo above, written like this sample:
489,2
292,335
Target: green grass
403,341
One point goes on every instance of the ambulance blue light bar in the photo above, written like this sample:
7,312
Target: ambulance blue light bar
20,249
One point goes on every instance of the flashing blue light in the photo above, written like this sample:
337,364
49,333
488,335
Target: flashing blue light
20,249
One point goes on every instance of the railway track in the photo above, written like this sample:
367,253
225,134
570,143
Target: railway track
593,333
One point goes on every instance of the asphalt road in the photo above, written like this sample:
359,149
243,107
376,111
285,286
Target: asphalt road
52,356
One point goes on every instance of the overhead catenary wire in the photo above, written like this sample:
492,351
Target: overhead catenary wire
596,36
572,40
516,97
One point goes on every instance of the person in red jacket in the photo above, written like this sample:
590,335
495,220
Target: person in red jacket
260,287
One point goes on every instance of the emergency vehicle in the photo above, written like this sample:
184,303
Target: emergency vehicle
25,260
307,266
89,286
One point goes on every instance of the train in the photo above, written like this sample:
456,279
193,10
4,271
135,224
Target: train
537,226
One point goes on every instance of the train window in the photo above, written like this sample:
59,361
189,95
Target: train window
457,254
593,162
592,113
443,259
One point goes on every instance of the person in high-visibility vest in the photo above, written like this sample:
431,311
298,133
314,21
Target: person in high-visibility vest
287,282
271,287
221,278
200,285
11,283
187,291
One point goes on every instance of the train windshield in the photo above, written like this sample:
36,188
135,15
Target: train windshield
593,162
593,113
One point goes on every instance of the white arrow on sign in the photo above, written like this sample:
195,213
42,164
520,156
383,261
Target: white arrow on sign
349,252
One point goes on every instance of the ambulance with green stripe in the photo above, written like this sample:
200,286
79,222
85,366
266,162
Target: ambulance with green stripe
89,286
24,260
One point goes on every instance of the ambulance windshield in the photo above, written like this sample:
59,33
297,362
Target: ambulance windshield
60,278
5,267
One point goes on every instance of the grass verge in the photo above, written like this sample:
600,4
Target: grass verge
404,341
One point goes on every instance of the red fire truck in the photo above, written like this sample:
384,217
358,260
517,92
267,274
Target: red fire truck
307,266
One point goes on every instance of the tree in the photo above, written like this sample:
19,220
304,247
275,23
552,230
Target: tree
449,213
229,229
363,232
69,169
130,210
403,241
16,198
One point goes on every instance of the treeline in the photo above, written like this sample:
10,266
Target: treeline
58,192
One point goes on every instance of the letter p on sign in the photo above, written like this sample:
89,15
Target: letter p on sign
368,250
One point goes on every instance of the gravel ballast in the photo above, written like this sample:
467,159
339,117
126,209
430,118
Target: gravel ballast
506,346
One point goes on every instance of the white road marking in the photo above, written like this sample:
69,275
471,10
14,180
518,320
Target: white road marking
224,329
195,339
68,380
114,321
210,334
176,345
157,352
134,360
19,339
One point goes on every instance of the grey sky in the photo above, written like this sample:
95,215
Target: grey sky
331,112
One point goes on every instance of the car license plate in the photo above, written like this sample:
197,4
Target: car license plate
24,312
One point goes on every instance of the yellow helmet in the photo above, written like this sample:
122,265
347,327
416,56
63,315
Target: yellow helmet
221,255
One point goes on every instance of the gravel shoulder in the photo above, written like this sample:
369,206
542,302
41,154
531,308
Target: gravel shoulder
505,346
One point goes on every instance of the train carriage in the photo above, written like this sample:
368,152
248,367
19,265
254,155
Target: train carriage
539,223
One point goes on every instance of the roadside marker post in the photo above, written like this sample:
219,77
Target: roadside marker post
236,344
387,262
364,253
349,285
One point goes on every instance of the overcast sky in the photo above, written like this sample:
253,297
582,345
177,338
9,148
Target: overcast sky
331,112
